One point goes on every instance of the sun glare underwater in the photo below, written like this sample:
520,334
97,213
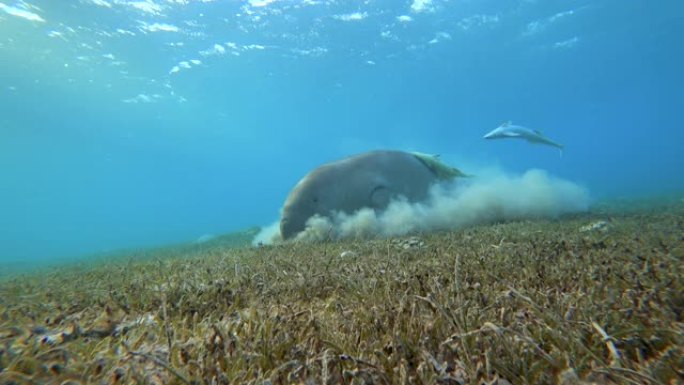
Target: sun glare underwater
132,124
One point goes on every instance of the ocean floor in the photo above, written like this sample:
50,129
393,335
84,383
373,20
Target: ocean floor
591,298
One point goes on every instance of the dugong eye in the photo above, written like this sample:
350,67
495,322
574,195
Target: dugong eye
314,199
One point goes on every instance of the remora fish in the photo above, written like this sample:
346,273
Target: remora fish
510,130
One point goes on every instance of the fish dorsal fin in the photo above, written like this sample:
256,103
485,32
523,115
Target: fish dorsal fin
538,132
507,123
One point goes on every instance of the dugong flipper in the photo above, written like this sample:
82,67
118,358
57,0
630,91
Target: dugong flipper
370,179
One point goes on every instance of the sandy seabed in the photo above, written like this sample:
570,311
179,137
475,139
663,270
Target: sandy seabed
591,298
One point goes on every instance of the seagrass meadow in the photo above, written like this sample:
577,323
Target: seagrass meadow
593,298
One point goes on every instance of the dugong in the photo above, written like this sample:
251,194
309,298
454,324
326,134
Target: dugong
370,179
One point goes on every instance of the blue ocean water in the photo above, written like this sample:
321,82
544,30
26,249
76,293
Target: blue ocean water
134,123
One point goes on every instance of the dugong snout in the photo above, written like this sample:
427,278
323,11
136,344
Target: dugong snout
289,227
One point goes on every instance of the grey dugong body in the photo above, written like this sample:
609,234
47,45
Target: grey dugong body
369,179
